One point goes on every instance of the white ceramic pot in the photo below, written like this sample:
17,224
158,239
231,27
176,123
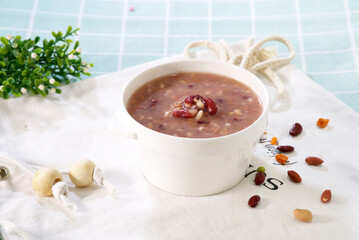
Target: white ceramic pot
192,166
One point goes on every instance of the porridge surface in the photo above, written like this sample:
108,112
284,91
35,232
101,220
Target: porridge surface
195,105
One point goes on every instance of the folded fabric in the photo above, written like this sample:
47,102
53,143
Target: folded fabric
59,129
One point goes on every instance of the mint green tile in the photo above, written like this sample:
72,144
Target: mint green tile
326,42
101,25
353,4
354,17
188,27
320,6
356,36
330,62
228,39
105,44
63,6
147,8
188,9
338,81
106,8
102,63
297,61
17,4
145,45
148,26
273,25
3,33
323,23
177,44
274,7
351,99
241,27
130,60
231,9
14,19
56,22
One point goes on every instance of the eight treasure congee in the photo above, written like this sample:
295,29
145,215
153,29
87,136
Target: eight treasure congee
195,105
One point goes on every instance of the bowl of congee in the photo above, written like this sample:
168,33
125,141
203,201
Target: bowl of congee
196,123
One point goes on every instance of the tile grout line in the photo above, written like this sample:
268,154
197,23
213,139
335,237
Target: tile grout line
165,47
253,19
351,35
32,18
79,20
331,72
300,36
209,20
122,39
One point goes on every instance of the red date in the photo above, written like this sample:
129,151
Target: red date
285,148
296,129
260,177
211,105
183,113
253,201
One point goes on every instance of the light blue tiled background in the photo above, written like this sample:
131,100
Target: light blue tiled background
325,33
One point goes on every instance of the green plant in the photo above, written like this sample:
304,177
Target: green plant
26,66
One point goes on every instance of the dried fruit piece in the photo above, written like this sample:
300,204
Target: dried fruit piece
281,158
287,148
183,113
260,177
294,176
210,105
261,169
253,201
296,129
314,161
326,196
274,141
322,122
303,215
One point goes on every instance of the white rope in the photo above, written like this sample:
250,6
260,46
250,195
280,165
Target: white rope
60,191
99,178
11,229
254,58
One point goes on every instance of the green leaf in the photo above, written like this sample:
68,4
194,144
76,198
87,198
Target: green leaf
6,83
37,50
27,82
16,53
42,93
56,84
59,62
16,93
69,29
54,34
5,95
17,39
58,91
4,41
38,82
76,44
37,39
11,80
4,50
2,64
47,74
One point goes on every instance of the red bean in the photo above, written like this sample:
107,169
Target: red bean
296,129
184,113
190,99
253,201
211,105
285,148
260,177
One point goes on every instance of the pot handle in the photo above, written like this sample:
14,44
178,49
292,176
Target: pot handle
119,125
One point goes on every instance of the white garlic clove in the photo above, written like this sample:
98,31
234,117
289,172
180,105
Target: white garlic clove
81,172
44,179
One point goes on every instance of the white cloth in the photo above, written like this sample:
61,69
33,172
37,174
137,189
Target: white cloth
56,130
